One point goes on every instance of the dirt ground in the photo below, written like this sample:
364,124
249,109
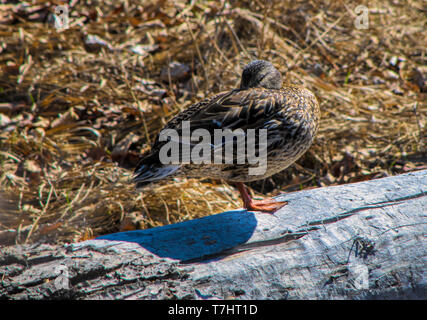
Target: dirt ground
84,92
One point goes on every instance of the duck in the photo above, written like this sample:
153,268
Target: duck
278,121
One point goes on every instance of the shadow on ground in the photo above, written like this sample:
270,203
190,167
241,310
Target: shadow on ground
193,239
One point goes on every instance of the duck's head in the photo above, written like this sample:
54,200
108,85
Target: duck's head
260,73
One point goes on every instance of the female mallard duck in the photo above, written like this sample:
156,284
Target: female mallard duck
289,115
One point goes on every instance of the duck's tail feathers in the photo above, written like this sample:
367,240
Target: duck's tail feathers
146,173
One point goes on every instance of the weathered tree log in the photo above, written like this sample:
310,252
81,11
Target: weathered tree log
357,241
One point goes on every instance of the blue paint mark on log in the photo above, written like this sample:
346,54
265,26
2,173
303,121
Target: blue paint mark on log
195,238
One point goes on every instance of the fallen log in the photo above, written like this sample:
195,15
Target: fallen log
358,241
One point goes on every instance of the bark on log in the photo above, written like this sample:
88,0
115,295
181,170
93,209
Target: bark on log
357,241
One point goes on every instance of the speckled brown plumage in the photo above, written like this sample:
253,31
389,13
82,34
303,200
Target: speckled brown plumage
290,115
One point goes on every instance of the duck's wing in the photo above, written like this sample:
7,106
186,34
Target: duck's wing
285,114
235,111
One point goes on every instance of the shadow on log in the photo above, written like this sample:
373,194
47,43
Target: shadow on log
357,241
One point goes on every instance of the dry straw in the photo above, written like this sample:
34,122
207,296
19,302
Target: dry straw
79,106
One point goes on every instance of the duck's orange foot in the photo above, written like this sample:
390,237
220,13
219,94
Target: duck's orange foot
267,205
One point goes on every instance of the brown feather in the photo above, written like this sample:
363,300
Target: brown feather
291,116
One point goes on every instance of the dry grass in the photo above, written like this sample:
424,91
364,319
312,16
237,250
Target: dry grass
75,116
